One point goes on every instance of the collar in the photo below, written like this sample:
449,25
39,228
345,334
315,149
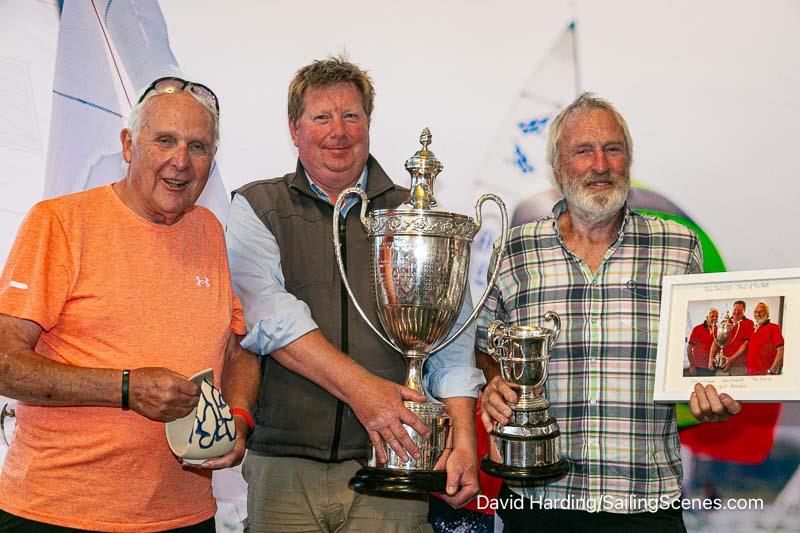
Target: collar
377,184
322,195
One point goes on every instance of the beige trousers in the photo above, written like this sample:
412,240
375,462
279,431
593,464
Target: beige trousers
291,495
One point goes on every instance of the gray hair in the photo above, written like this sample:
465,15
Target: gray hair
135,117
583,104
766,307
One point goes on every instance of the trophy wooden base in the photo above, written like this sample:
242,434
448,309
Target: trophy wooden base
525,475
394,481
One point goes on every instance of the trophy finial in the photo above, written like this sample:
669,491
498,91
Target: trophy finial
425,138
423,167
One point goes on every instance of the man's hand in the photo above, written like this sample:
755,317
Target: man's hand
707,406
692,370
161,394
233,457
461,461
378,405
494,404
463,482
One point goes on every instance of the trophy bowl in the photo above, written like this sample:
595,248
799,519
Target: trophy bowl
419,269
529,369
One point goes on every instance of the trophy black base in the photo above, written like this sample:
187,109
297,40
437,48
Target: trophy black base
395,481
525,475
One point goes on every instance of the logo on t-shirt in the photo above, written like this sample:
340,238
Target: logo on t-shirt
202,281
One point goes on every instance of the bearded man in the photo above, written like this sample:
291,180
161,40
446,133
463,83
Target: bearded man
765,349
600,267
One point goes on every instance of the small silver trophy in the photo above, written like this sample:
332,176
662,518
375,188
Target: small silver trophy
419,264
723,338
529,445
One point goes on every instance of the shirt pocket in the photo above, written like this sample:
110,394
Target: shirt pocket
638,303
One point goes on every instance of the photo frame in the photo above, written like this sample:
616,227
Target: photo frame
747,371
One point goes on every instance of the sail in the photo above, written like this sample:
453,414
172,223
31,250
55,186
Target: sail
515,166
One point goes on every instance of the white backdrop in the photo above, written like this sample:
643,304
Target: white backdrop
709,90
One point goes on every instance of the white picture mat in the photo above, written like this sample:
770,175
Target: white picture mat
677,294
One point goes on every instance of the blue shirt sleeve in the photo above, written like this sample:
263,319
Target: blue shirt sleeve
452,372
274,316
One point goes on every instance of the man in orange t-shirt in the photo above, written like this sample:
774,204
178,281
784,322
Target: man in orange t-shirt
109,298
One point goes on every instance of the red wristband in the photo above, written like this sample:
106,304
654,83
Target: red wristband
244,414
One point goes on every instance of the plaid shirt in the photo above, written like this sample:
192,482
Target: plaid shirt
619,443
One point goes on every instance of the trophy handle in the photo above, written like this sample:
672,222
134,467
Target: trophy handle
495,271
338,251
494,338
553,316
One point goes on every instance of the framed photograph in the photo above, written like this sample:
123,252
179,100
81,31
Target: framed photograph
739,331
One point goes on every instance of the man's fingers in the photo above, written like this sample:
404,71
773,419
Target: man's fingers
187,388
708,406
404,440
495,414
732,406
703,405
508,394
409,418
442,462
410,395
394,443
713,401
377,443
453,481
487,421
694,405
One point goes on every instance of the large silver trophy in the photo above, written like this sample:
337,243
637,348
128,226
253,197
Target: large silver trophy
723,338
420,264
528,446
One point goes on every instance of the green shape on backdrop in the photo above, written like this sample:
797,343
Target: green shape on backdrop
712,262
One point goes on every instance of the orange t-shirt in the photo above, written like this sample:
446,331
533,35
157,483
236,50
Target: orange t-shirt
112,290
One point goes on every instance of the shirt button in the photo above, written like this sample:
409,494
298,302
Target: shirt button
593,401
592,441
594,321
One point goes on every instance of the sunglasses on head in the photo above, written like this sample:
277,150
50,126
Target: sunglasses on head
172,84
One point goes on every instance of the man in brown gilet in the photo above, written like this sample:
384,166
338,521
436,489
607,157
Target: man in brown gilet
328,385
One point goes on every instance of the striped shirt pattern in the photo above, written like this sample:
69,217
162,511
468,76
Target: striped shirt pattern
619,443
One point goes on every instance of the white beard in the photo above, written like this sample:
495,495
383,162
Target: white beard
595,207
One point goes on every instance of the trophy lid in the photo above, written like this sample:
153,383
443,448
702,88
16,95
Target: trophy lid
423,167
416,215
